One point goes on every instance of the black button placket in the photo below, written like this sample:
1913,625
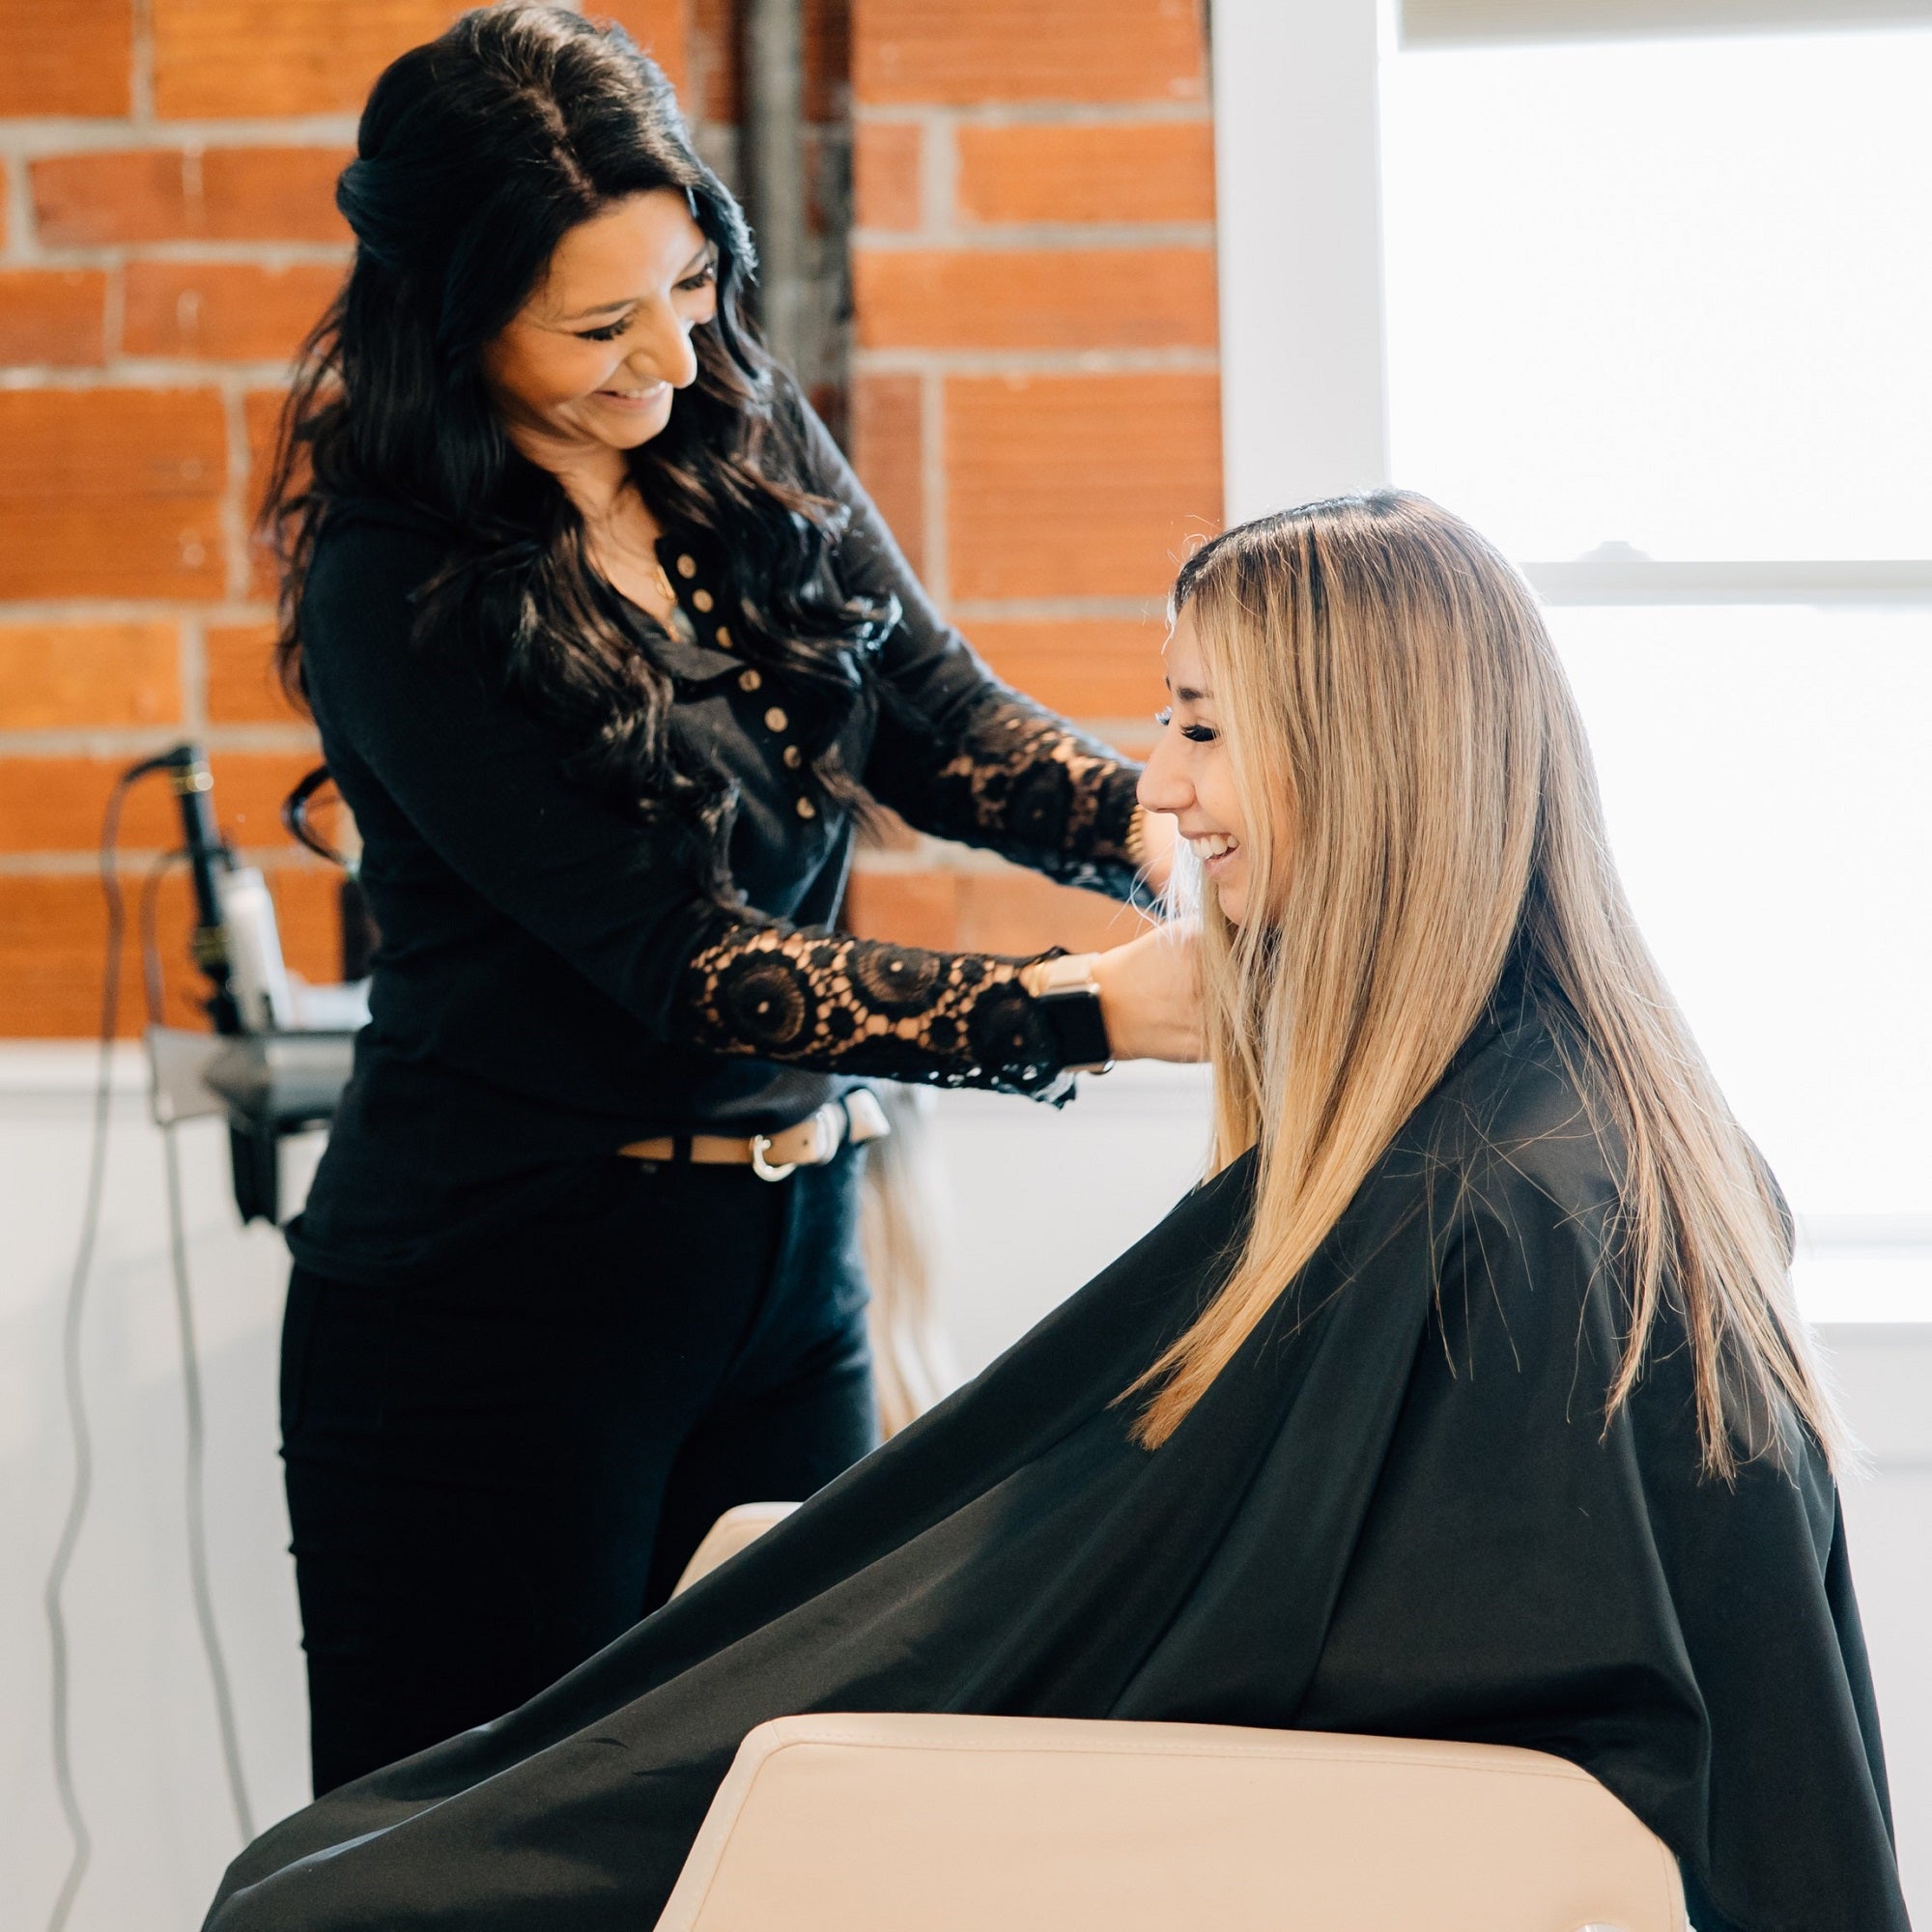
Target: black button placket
690,592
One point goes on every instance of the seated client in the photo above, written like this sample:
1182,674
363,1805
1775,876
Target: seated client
1466,1399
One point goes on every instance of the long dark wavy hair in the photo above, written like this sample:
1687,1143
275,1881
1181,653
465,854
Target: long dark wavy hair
476,154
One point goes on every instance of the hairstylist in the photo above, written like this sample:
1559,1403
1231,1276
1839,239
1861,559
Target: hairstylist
607,647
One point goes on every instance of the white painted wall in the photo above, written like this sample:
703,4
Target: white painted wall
1297,170
145,1746
1039,1203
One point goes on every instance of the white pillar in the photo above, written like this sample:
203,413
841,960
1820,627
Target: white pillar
1304,406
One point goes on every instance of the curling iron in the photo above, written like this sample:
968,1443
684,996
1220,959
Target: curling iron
272,1075
235,942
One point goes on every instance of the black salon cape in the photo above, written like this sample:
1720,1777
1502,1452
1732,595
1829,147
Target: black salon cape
1396,1512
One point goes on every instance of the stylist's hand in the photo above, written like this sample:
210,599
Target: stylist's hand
1151,994
1158,833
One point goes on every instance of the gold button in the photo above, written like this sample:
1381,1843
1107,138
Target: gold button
776,720
749,681
807,810
723,638
687,566
793,756
702,599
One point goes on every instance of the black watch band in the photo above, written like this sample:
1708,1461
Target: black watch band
1069,1002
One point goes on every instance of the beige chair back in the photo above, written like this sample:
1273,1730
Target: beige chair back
969,1824
728,1535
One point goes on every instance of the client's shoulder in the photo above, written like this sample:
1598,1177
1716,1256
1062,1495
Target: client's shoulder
1516,1131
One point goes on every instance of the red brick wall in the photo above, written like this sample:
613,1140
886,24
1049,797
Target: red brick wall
167,235
1033,394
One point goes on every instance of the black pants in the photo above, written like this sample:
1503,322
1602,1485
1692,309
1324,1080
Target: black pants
493,1471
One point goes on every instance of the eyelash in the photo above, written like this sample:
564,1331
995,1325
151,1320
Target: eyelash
1195,734
611,332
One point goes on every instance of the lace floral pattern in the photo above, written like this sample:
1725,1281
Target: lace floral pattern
864,1006
1021,783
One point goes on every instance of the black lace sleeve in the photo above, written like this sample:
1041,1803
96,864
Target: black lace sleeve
866,1007
1014,779
958,753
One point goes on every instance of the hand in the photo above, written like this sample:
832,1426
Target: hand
1151,994
1157,835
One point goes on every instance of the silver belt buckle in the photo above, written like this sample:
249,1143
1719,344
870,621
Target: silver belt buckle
828,1130
761,1145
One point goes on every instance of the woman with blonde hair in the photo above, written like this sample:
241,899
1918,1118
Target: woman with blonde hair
1466,1399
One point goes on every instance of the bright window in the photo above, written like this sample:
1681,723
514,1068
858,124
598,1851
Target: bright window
1652,313
1657,316
1764,778
1668,294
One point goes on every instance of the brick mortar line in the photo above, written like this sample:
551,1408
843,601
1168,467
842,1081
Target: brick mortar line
941,362
186,249
934,499
191,675
85,862
80,612
1035,237
939,180
939,855
238,486
141,64
930,855
136,741
151,372
1032,113
19,214
1054,610
113,315
134,610
25,138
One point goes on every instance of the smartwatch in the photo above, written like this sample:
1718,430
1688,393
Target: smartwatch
1068,998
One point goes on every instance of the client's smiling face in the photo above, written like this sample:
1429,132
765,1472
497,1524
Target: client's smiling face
595,354
1191,776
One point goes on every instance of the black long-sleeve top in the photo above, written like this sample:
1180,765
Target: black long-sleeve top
554,980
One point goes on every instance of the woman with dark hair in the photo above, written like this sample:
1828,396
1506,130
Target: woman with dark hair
607,650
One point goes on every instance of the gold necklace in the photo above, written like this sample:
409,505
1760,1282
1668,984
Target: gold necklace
605,535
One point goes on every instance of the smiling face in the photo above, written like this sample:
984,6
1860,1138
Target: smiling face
1191,775
591,361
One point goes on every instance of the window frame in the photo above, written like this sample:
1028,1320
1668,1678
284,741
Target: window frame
1290,439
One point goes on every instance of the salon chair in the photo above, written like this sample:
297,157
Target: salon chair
904,1822
728,1535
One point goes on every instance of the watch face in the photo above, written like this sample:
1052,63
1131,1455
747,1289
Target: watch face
1074,1012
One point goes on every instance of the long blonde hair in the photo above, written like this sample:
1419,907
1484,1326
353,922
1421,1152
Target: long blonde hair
1419,800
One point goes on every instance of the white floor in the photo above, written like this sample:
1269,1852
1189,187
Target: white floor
1039,1203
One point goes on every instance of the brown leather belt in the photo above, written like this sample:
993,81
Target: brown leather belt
814,1142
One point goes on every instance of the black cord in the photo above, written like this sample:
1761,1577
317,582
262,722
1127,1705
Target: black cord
294,818
71,1331
196,1485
